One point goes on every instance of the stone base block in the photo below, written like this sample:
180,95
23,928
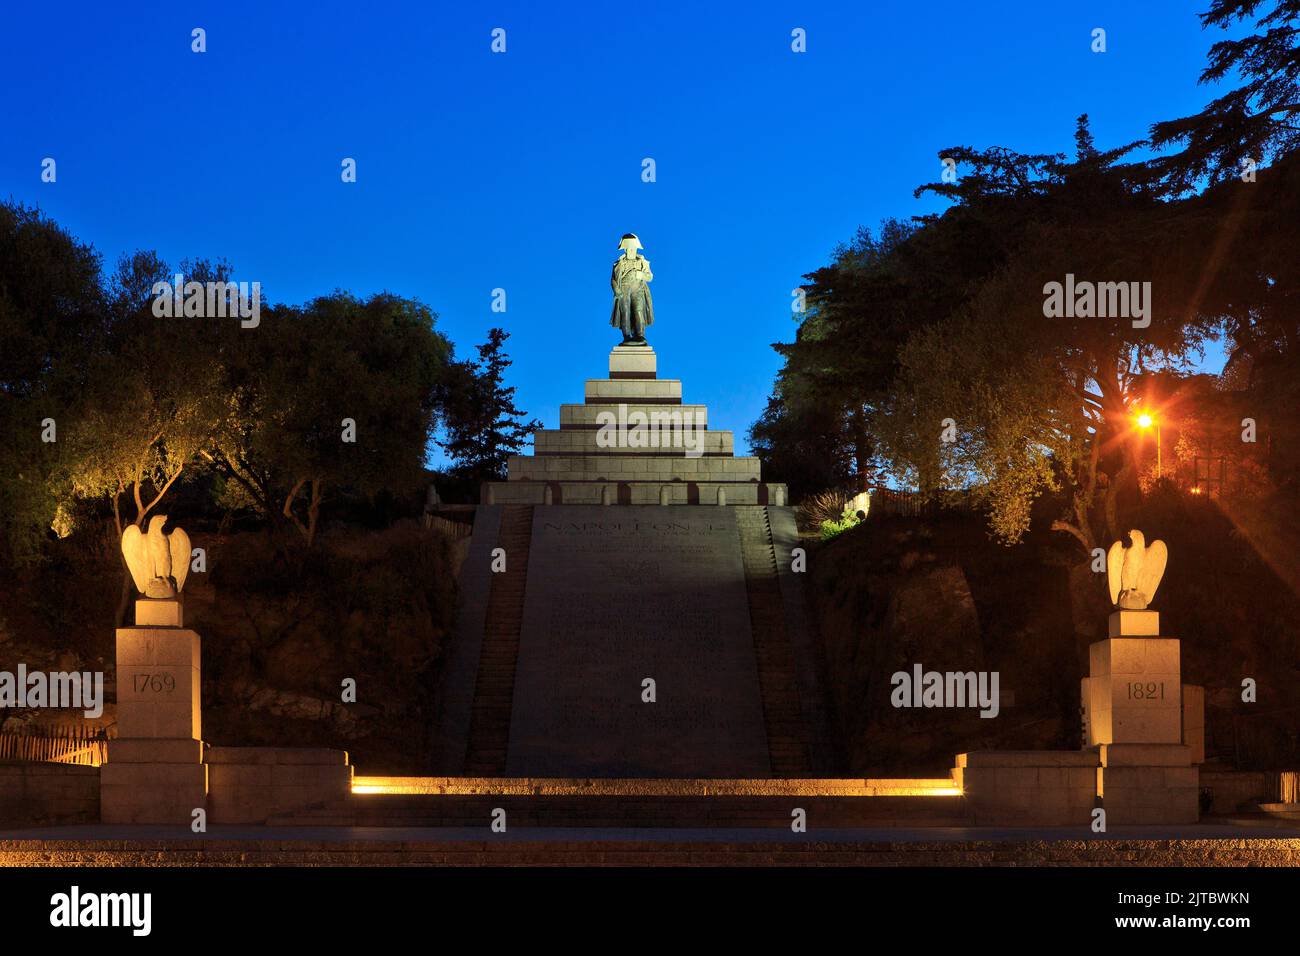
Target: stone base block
155,750
1134,624
1145,755
158,683
1028,788
252,784
159,793
1135,690
157,612
1162,794
632,361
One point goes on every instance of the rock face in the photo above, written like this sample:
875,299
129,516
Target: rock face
276,651
897,592
295,705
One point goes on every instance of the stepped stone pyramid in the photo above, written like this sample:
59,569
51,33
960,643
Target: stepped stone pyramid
635,640
665,455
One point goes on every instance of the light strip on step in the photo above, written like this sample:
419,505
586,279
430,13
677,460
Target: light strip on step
635,787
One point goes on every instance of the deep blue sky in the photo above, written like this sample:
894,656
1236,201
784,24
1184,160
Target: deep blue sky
521,170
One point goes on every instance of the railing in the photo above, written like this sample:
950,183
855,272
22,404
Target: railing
85,746
455,529
1288,786
912,504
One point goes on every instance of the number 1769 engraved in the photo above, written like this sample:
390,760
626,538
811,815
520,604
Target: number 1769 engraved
161,683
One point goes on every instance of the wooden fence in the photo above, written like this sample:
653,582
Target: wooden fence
1288,787
83,745
455,529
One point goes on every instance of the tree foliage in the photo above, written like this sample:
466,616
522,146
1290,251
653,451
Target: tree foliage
927,352
338,396
484,426
1258,121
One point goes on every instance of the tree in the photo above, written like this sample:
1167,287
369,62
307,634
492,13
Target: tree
1044,403
1259,120
152,393
341,393
484,428
51,310
807,444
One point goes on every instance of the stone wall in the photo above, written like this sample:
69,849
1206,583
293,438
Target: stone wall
34,794
252,784
1232,791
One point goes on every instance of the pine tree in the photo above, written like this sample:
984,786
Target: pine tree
484,427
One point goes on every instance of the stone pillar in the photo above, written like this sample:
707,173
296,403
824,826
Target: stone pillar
155,771
1134,714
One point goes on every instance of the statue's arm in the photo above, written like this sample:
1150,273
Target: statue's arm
648,275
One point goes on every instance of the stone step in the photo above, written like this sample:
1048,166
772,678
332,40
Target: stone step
628,466
787,736
665,440
693,491
586,416
489,727
649,391
686,812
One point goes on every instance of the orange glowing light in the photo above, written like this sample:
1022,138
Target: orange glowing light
1145,420
649,787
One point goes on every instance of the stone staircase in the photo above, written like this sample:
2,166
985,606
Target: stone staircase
653,556
787,734
489,730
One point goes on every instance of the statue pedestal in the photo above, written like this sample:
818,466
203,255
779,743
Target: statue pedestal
1135,686
155,771
1134,716
153,612
632,361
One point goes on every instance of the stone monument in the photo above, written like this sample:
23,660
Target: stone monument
1142,741
633,441
637,547
1133,699
155,771
159,770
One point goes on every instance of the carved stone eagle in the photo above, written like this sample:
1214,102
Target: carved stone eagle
159,563
1134,573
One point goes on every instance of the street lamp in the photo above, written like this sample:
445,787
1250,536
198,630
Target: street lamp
1144,422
